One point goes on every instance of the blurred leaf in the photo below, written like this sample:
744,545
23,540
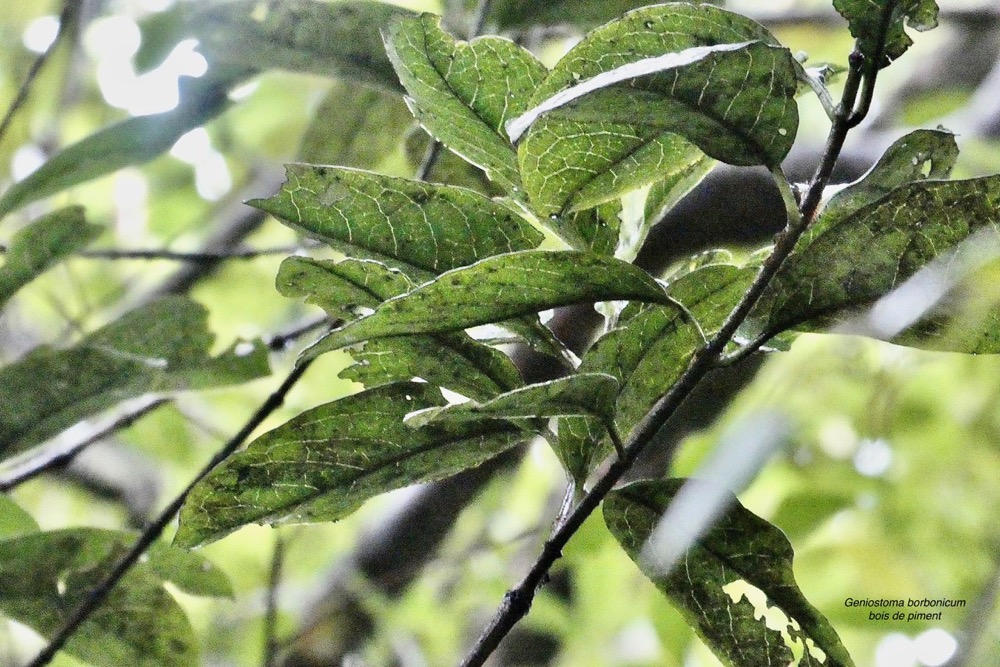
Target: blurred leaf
801,513
499,288
163,346
849,262
528,13
741,548
45,576
922,154
624,137
34,249
133,141
865,20
323,464
464,92
355,127
578,394
14,520
326,38
420,228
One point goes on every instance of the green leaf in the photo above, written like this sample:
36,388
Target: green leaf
355,126
864,17
646,354
454,360
131,142
510,14
851,261
420,228
163,346
330,39
623,137
499,288
711,292
45,576
14,520
579,394
464,92
595,229
323,464
711,586
36,248
922,154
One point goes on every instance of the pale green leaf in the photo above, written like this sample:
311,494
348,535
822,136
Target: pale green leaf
34,249
421,228
464,92
711,586
355,126
625,139
45,576
326,38
133,141
163,346
323,464
14,520
500,288
865,18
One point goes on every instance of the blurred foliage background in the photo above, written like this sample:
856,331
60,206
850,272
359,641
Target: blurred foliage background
887,490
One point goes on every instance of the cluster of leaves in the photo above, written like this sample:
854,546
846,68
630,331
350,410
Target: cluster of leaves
591,153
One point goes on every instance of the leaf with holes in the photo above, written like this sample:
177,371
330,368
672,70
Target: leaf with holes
497,289
866,20
44,576
323,464
163,346
464,92
850,261
34,249
736,103
419,228
713,585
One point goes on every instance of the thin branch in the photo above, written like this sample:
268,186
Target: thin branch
97,595
281,341
66,18
191,257
430,159
873,67
271,644
518,600
49,460
479,18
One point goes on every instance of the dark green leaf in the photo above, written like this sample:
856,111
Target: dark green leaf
865,18
623,137
326,38
325,463
340,288
130,142
355,126
421,228
36,248
578,394
448,167
454,360
464,92
14,520
595,229
851,261
163,346
500,288
44,576
919,155
711,292
741,550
